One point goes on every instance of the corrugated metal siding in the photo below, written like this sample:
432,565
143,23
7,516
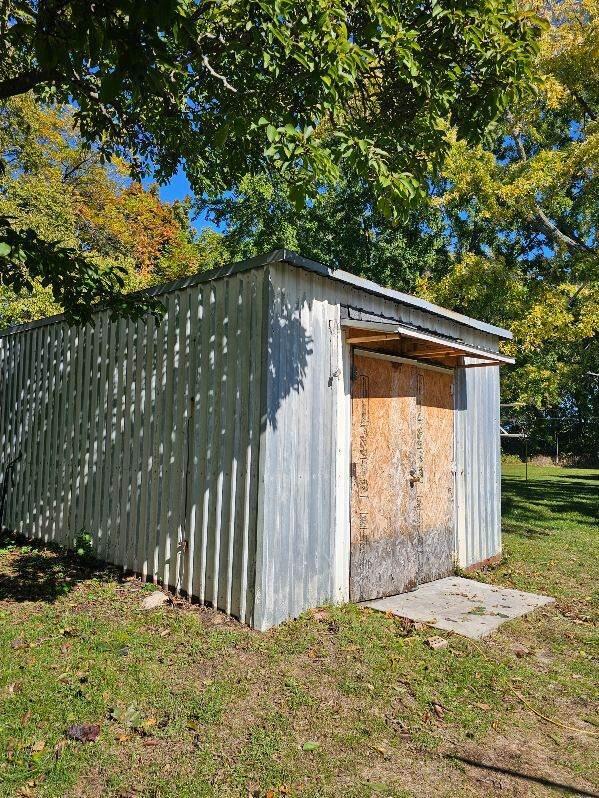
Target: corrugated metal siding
478,465
300,530
296,533
146,436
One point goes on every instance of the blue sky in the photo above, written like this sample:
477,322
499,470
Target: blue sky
177,189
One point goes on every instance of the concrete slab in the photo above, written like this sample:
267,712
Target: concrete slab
468,608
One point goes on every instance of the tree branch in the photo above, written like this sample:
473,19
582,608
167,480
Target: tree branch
586,108
548,226
20,84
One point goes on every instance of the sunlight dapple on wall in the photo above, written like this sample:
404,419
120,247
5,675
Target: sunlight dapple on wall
211,452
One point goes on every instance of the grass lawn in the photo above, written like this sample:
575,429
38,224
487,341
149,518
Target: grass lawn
342,702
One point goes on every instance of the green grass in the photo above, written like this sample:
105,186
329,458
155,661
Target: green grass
341,702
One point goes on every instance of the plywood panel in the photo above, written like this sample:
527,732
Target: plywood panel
435,490
402,479
383,545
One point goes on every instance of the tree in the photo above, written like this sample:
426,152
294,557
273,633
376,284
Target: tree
342,228
58,189
523,218
247,86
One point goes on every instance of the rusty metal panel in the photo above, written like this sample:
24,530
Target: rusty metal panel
146,436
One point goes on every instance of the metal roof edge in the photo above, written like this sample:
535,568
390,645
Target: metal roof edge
293,259
396,296
166,288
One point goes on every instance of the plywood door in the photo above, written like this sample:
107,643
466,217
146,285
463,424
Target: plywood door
434,451
384,550
402,480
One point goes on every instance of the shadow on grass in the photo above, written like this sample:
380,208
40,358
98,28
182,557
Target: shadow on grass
34,571
570,789
521,500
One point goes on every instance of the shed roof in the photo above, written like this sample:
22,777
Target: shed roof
293,259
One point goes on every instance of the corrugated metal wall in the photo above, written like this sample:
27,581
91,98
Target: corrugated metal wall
478,465
296,545
146,436
212,452
303,543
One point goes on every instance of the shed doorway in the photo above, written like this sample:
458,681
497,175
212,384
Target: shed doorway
402,486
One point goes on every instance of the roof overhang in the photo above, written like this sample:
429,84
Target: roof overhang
415,344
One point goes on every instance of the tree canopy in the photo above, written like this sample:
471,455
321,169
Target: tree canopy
61,191
523,216
307,90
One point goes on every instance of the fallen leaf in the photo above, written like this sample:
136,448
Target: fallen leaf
310,745
84,732
439,710
38,746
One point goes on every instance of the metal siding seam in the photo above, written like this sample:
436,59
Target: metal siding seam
158,449
51,435
83,429
215,465
468,471
235,433
276,558
78,361
198,485
181,450
166,514
257,405
281,542
327,567
64,432
192,458
137,435
498,486
123,486
10,503
208,408
318,499
100,443
109,439
227,437
12,498
117,449
294,416
260,619
16,514
57,433
95,375
4,345
143,531
14,418
309,421
28,448
242,411
43,408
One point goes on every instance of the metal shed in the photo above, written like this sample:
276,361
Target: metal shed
287,436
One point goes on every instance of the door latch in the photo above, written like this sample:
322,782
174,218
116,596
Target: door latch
414,476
